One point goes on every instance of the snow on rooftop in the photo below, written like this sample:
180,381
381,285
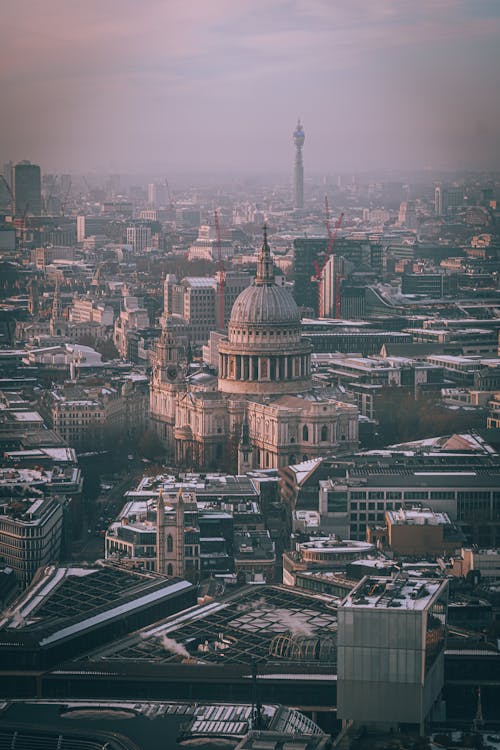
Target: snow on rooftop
27,416
394,593
303,469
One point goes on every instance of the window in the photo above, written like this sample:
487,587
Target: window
170,543
170,570
375,495
305,433
416,495
337,502
324,433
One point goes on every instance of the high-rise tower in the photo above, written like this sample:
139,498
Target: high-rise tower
26,188
299,138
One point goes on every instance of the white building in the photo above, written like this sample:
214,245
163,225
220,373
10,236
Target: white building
205,247
87,310
139,236
263,401
133,317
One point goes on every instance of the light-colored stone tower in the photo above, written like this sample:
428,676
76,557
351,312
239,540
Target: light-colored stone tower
167,382
170,538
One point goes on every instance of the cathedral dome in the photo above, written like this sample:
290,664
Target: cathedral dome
264,352
265,305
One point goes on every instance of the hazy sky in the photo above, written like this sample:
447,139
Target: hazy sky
166,85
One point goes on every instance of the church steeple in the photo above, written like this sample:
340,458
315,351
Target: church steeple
265,273
168,349
56,303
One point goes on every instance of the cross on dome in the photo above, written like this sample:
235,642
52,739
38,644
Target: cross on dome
265,272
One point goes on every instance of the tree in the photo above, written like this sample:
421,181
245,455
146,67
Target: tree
149,445
402,418
107,349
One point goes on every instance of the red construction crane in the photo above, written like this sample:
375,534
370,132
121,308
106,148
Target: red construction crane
320,267
222,274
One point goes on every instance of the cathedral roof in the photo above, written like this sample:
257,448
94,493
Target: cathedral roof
264,302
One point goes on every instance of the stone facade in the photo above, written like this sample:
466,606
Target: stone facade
263,411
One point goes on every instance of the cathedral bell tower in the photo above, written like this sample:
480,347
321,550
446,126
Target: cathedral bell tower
245,450
167,381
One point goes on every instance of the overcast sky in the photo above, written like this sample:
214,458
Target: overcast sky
165,85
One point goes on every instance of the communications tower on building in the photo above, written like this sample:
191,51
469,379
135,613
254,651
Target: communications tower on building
299,138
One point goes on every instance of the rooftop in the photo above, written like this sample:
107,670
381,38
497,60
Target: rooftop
400,592
216,725
239,629
417,517
67,601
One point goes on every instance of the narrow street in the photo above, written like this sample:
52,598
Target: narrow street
98,514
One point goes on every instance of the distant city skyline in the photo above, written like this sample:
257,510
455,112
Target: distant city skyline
110,86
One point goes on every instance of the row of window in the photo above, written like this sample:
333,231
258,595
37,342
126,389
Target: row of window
424,495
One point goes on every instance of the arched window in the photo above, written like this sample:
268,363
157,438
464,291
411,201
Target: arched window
305,433
292,459
170,570
324,433
267,460
170,543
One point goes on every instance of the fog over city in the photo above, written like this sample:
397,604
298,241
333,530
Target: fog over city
187,85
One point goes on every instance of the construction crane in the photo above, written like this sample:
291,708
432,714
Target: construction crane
65,199
169,194
222,273
319,268
11,195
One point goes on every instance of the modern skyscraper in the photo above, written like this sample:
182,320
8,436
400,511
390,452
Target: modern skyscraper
447,199
299,138
27,189
306,251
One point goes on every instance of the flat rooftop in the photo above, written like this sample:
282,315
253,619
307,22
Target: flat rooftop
401,592
81,723
417,517
253,625
223,485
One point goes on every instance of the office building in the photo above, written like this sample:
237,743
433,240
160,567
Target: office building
157,194
89,226
447,199
27,189
30,534
464,486
306,253
390,651
419,531
139,236
331,281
